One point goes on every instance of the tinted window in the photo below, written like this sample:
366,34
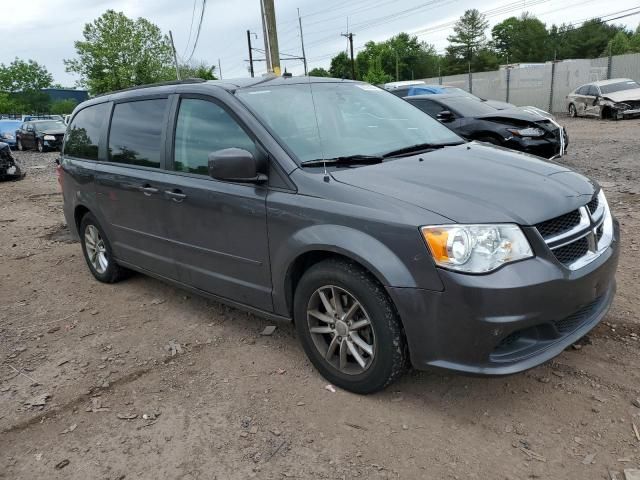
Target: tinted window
204,127
593,91
428,107
136,128
83,134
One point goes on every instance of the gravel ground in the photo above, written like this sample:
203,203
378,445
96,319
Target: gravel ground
142,380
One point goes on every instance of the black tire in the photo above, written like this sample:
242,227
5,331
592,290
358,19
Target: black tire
19,145
40,146
390,359
113,272
572,111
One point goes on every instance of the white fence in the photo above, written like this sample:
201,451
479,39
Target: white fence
544,86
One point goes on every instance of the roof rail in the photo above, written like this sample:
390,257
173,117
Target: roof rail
158,84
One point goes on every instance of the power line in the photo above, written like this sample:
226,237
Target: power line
195,43
193,13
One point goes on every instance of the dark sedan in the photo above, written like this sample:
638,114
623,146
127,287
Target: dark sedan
40,134
526,130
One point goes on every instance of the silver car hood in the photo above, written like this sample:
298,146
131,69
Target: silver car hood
623,95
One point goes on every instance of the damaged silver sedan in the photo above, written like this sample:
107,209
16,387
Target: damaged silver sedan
615,99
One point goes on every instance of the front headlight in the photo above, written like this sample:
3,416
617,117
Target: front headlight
476,248
49,137
528,132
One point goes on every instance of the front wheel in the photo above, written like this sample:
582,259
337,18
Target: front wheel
572,111
19,145
40,145
348,327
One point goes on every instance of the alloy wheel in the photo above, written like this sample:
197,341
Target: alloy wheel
40,146
572,110
96,249
341,329
20,147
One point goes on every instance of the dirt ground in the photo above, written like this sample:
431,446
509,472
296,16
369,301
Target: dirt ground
142,380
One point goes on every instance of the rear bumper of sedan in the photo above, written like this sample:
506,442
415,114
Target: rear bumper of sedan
508,321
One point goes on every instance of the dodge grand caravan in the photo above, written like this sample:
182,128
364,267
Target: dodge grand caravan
385,237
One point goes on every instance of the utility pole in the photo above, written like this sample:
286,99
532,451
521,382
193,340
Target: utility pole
250,53
175,56
353,63
219,69
271,36
304,56
397,69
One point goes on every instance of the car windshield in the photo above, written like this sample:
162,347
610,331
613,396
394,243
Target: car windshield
618,87
467,107
332,120
50,125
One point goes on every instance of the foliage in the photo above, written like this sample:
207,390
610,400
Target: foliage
524,39
21,76
197,70
63,107
118,52
319,72
590,40
340,66
375,73
468,39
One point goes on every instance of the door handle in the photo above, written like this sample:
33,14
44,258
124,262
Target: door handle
148,190
175,195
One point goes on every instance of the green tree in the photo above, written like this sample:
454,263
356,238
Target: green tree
340,66
319,72
24,76
63,107
468,38
198,70
634,40
118,52
523,39
590,40
619,44
376,74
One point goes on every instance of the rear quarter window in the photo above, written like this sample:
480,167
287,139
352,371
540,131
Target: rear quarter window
83,134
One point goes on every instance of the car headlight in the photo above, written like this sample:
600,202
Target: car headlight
49,137
476,248
622,106
528,132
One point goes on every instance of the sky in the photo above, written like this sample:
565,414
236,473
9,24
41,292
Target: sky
47,29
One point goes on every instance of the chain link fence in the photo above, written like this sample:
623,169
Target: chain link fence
543,85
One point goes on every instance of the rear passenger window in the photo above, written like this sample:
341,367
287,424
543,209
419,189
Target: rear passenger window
83,135
204,127
136,129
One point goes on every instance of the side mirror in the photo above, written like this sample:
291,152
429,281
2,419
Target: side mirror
235,165
445,116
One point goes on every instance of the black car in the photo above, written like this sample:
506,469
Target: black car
9,167
382,234
526,130
41,135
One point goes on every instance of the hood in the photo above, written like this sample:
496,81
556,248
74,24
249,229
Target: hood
476,183
516,113
499,105
623,95
54,131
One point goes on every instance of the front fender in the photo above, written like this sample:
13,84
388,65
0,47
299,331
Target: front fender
357,245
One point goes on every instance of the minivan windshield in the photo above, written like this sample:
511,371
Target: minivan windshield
41,126
335,120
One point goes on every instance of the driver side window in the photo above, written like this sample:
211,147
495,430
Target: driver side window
204,127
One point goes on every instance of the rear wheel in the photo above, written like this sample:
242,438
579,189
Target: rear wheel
97,251
572,111
348,327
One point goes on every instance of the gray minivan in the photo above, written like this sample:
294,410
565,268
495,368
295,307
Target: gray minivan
384,236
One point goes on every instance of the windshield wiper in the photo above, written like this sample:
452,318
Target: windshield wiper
420,147
346,160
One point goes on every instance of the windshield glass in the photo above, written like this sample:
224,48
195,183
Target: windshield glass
461,92
618,87
352,119
52,125
467,107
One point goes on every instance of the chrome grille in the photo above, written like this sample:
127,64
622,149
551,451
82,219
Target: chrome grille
578,237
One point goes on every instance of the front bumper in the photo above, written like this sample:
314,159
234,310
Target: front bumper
544,147
510,320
